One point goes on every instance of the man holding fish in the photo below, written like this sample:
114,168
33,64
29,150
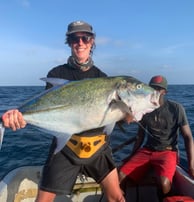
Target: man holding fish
98,103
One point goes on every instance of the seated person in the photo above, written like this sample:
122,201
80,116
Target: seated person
160,150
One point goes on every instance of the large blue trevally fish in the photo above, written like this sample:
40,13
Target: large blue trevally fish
78,106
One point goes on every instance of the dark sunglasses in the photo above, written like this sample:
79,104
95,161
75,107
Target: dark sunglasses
76,39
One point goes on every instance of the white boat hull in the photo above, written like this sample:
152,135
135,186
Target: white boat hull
183,182
21,185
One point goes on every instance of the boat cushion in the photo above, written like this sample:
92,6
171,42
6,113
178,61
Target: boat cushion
178,199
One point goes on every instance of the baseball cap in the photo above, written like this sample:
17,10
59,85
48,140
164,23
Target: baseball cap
158,81
79,26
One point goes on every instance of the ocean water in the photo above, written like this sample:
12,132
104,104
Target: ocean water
29,146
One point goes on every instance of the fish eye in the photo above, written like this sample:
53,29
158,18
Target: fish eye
139,86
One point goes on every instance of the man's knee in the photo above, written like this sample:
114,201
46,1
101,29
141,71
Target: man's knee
165,184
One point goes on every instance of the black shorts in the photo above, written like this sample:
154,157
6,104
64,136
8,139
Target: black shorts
60,171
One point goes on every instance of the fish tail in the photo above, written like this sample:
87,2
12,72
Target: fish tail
2,130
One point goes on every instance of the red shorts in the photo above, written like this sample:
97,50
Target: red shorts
163,163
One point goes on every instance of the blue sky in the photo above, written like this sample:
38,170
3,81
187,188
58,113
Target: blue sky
140,38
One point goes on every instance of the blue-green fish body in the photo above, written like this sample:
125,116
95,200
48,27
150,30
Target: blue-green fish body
78,106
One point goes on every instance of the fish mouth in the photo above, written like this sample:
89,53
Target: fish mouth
154,98
152,103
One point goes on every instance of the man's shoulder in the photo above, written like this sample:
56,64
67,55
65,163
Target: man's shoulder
58,70
59,67
98,71
174,104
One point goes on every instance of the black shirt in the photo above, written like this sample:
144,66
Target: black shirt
73,74
163,126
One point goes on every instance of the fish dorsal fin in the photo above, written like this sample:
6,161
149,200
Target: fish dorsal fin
55,81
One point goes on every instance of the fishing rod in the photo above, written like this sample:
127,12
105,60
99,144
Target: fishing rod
129,141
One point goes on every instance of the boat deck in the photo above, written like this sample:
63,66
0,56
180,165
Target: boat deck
21,185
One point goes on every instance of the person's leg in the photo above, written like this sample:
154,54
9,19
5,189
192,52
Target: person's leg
164,184
164,187
44,196
103,170
165,165
111,187
58,177
136,167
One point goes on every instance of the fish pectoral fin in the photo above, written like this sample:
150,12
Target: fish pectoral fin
55,81
119,104
61,142
2,130
109,128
